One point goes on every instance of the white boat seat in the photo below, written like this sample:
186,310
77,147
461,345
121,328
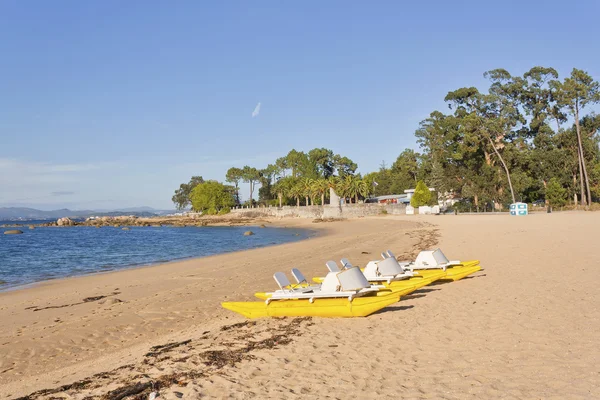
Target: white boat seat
345,263
282,280
332,266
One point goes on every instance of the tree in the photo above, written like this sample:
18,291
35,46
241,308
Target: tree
234,175
250,175
296,160
181,198
491,117
323,160
344,165
555,193
421,196
281,188
320,187
296,191
578,91
212,197
305,185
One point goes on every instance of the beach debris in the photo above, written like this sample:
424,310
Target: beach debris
152,396
128,390
110,301
86,300
248,233
93,298
156,350
13,232
238,325
139,381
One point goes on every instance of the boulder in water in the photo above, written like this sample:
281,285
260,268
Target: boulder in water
13,232
248,233
64,222
125,229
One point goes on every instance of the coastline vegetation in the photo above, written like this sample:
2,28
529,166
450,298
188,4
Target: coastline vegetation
526,138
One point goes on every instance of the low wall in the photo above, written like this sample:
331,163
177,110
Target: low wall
327,211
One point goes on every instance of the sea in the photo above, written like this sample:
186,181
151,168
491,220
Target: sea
47,253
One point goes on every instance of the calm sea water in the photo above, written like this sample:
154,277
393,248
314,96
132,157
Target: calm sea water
50,253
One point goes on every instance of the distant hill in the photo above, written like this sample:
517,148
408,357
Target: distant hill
9,213
24,213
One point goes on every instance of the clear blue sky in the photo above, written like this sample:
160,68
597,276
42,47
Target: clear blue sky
107,104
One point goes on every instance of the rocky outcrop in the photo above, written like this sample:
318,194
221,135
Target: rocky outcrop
13,232
248,233
65,222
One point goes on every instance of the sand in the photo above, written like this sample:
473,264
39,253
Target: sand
526,326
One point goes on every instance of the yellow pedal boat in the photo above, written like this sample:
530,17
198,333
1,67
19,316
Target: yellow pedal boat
344,293
319,307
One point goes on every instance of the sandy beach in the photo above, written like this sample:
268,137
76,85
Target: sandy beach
525,327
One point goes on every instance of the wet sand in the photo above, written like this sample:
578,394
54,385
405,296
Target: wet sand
526,326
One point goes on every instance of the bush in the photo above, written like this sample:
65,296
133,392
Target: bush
555,193
422,195
224,210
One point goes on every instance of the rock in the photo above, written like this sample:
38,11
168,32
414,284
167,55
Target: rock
248,233
31,227
262,225
13,232
125,229
64,222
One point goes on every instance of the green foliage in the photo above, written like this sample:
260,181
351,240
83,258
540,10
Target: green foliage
181,198
224,210
211,197
422,195
555,193
234,175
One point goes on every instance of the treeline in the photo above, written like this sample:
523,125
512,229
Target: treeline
298,178
526,138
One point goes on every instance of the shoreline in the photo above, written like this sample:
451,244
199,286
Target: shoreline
141,306
510,330
308,232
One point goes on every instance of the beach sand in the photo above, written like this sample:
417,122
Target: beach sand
526,326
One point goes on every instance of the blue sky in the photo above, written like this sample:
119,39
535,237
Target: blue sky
108,104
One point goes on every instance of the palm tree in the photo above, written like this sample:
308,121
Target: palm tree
365,188
352,186
319,188
282,189
306,188
296,192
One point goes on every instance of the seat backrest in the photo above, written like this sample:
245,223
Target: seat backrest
352,279
345,263
332,266
330,283
384,255
298,276
390,254
389,267
281,280
439,257
370,271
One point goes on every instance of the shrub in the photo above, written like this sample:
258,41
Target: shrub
555,193
422,195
